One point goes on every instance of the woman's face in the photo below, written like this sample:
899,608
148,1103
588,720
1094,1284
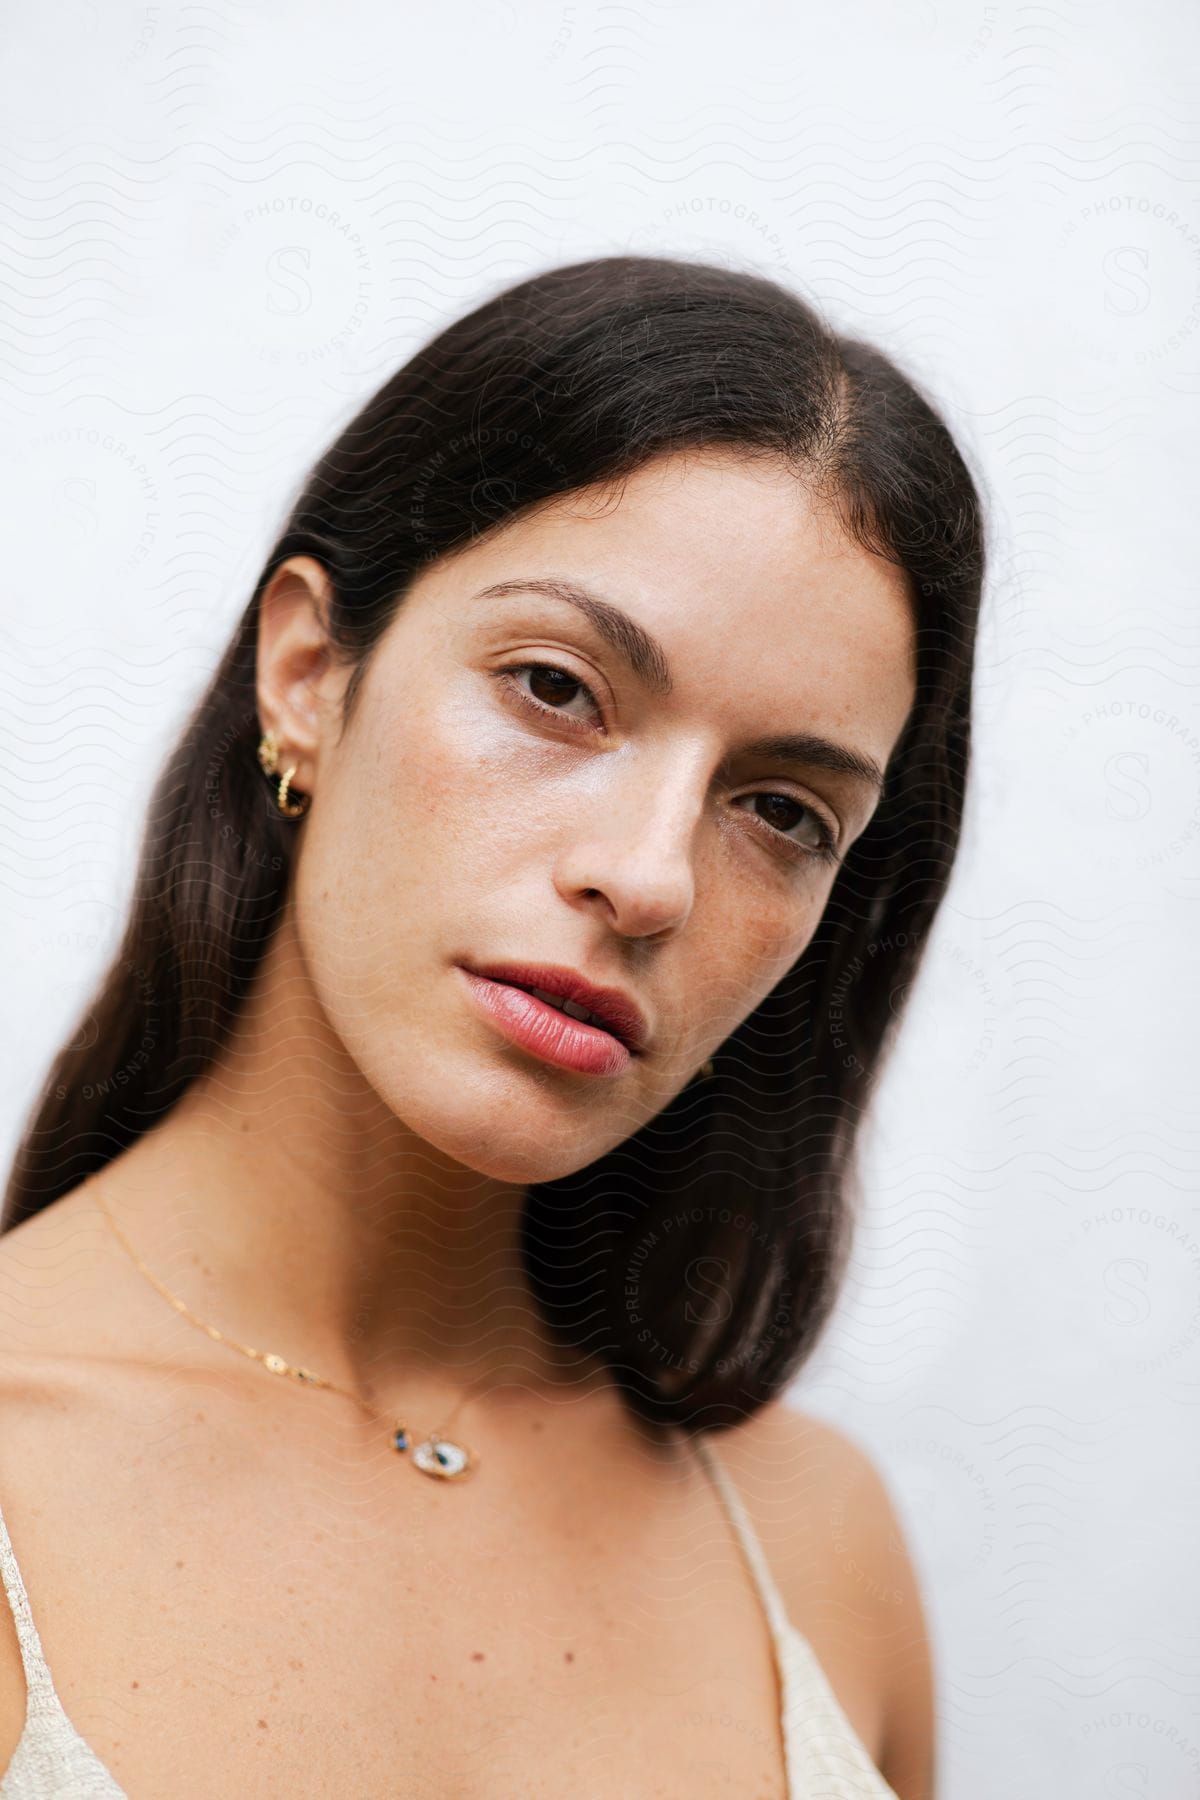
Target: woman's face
517,787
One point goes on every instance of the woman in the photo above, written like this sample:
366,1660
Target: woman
515,939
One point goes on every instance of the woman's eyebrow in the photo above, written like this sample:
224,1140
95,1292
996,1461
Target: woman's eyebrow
644,654
648,660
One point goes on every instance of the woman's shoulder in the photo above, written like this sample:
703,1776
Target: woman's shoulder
44,1400
793,1468
831,1533
65,1301
42,1265
64,1280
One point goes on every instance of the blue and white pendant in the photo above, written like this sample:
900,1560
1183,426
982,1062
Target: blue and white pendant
437,1456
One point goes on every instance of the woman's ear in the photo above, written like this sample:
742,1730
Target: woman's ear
297,675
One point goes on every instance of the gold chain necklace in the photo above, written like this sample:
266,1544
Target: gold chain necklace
437,1455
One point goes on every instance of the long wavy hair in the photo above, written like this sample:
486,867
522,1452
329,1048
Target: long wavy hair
701,1257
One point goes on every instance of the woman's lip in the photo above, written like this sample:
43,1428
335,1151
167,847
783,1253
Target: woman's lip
551,1035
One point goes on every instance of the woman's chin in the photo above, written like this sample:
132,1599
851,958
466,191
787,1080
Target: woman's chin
504,1135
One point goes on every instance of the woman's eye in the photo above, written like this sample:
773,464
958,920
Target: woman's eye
550,689
821,840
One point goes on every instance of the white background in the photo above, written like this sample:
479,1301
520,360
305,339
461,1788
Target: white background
225,226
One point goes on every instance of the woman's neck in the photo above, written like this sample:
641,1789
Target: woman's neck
288,1205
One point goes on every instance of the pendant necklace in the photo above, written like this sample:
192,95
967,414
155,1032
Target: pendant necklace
445,1458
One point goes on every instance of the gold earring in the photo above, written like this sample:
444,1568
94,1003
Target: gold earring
268,757
705,1070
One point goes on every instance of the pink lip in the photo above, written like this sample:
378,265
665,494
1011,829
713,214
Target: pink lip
616,1011
553,1036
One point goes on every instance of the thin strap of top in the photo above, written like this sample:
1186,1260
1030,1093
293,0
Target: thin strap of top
747,1537
823,1752
37,1675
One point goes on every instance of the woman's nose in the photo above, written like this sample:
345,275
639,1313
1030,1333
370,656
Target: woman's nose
634,851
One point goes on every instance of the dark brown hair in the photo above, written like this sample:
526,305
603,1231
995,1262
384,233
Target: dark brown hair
701,1257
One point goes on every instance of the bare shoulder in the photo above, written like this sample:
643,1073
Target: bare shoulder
31,1386
64,1401
832,1536
58,1296
64,1371
56,1293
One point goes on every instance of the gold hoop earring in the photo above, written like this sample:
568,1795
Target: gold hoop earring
705,1070
268,758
